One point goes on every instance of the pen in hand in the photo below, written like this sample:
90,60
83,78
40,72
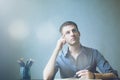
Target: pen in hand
76,75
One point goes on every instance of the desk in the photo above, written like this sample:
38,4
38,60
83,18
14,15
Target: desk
77,79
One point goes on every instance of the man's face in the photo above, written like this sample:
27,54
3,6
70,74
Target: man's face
71,34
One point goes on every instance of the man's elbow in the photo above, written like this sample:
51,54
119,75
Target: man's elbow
115,75
46,75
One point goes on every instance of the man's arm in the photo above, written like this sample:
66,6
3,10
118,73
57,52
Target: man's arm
89,75
106,70
105,75
50,67
104,66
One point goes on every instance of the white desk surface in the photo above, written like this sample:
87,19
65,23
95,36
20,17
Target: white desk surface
77,79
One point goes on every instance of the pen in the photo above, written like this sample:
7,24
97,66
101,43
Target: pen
76,76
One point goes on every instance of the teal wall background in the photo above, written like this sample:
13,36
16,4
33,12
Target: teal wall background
30,29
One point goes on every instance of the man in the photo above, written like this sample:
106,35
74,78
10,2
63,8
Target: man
77,60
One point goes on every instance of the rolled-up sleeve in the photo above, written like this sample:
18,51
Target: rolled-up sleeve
103,64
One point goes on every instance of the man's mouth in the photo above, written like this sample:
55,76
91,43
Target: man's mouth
73,39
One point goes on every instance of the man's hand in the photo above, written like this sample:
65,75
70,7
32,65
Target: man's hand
60,43
85,73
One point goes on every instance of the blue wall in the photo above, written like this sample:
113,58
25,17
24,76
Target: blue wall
29,29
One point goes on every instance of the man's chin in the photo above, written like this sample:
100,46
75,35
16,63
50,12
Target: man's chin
72,44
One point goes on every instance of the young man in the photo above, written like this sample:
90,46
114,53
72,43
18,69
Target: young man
77,60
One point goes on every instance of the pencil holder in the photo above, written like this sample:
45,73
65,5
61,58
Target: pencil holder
25,73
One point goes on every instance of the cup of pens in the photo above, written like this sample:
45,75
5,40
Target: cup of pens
25,73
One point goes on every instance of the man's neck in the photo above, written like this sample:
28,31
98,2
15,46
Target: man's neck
75,49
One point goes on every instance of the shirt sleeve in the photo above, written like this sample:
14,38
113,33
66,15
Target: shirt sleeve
103,64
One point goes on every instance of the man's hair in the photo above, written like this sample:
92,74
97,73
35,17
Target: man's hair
68,23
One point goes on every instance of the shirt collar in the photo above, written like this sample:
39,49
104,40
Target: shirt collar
66,50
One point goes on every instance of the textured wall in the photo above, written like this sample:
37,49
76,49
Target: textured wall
29,29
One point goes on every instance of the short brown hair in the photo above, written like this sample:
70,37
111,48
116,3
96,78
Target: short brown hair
68,23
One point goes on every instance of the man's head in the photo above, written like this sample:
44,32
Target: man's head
70,32
66,24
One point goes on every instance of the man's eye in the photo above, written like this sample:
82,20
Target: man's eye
67,32
74,30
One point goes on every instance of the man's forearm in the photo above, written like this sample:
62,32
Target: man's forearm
104,75
50,67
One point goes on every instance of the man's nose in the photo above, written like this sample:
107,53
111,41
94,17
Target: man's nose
71,33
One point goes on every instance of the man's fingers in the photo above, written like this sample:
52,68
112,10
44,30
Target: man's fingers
63,35
81,74
63,39
81,71
85,73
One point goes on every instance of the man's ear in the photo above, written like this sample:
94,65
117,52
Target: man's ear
79,33
61,34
